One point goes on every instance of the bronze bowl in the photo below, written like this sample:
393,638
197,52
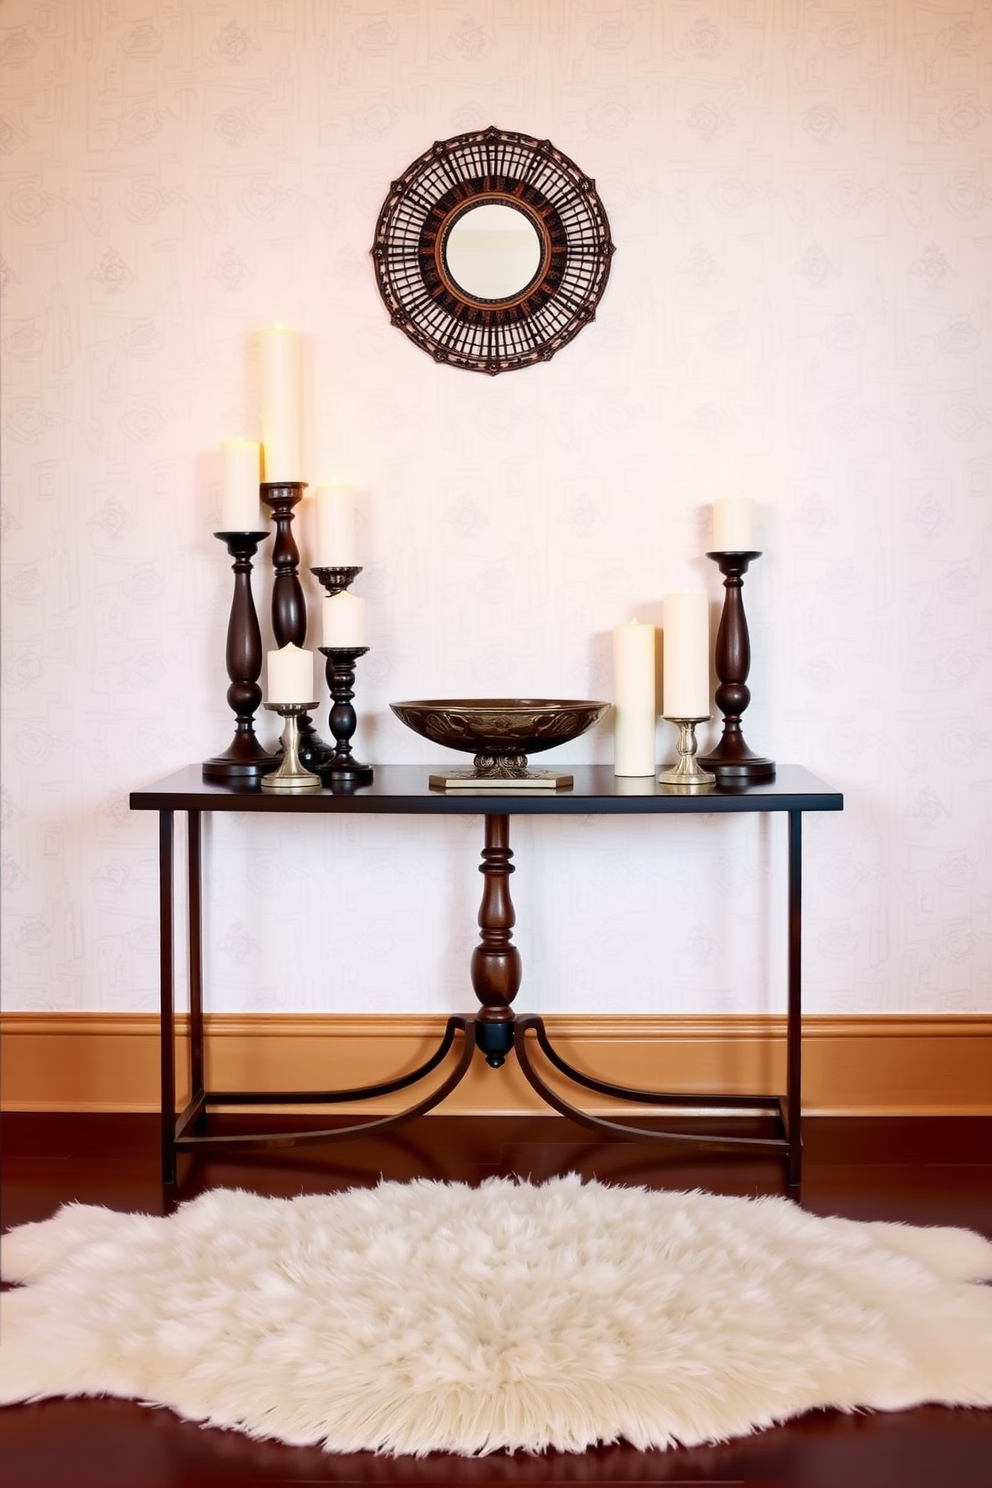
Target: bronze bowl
500,732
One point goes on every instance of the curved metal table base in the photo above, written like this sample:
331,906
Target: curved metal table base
767,1105
187,1141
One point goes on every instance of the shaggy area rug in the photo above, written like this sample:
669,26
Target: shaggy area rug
418,1317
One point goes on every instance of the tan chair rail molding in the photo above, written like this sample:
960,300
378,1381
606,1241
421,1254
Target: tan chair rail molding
873,1065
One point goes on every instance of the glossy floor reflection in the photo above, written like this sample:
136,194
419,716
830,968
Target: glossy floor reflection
920,1171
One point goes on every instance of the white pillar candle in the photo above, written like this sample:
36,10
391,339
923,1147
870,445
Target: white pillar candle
686,656
335,527
634,696
289,675
733,525
240,509
343,620
281,404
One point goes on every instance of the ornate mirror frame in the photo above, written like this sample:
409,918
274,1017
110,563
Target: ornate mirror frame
434,193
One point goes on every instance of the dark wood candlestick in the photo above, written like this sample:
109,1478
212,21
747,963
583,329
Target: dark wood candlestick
244,759
339,767
732,760
289,605
495,966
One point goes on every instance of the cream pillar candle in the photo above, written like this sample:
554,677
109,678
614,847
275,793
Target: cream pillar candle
240,509
335,527
343,620
686,656
634,696
281,404
733,525
289,675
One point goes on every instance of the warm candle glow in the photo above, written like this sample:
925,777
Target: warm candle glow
634,695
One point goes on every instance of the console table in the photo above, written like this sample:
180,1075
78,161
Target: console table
495,1029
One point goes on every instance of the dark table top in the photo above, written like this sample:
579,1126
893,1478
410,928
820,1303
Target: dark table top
404,789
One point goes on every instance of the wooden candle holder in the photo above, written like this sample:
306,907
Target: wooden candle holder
244,760
340,767
732,760
289,605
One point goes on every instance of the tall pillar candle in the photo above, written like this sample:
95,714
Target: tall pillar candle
733,525
281,405
240,509
686,656
289,675
634,697
343,621
335,527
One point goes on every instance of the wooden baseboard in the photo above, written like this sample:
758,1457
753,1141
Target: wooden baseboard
865,1066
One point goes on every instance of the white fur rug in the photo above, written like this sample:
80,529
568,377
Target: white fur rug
418,1317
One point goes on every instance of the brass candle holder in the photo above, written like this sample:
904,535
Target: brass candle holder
687,774
292,777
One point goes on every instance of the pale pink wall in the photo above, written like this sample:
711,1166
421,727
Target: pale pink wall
801,197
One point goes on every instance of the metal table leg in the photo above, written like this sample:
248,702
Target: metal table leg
166,989
794,1037
194,879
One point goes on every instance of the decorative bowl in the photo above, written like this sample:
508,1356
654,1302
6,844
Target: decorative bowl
500,732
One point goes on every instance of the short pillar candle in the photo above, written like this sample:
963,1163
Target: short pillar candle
634,698
343,621
733,525
289,676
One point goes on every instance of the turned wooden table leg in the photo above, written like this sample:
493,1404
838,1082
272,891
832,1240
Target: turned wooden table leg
495,961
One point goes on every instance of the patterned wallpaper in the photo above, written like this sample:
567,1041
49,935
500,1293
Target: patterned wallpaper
799,309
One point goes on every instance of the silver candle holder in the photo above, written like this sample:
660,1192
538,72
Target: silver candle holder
687,774
291,777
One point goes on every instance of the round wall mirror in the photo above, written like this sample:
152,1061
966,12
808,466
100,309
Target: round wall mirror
492,251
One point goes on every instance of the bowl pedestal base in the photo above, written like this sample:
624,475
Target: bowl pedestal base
469,780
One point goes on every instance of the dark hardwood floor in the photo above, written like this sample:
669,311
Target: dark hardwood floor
919,1171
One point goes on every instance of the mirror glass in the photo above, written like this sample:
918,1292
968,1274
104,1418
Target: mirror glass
493,252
